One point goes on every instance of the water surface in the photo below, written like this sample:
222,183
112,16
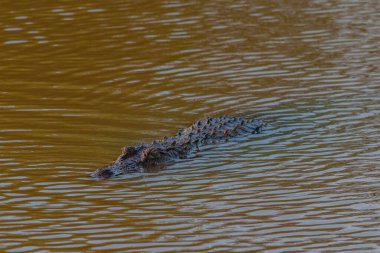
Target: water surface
79,80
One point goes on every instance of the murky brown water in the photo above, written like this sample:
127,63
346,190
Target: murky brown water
81,79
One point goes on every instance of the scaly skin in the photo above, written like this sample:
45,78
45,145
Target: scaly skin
158,153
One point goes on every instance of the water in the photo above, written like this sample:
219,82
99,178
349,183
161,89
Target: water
81,80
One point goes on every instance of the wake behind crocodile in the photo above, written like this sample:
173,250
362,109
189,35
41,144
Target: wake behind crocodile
169,149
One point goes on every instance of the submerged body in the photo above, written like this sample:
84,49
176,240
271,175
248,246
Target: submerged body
158,153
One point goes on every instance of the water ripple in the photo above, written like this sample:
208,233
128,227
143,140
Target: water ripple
81,80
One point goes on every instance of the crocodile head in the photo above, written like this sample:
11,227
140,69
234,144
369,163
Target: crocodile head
132,159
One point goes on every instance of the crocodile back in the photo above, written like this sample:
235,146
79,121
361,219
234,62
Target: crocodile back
217,128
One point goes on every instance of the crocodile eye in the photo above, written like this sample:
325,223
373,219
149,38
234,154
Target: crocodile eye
127,152
151,155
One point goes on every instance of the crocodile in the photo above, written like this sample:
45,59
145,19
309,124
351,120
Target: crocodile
159,153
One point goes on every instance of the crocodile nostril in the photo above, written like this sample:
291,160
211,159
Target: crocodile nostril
106,174
102,174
